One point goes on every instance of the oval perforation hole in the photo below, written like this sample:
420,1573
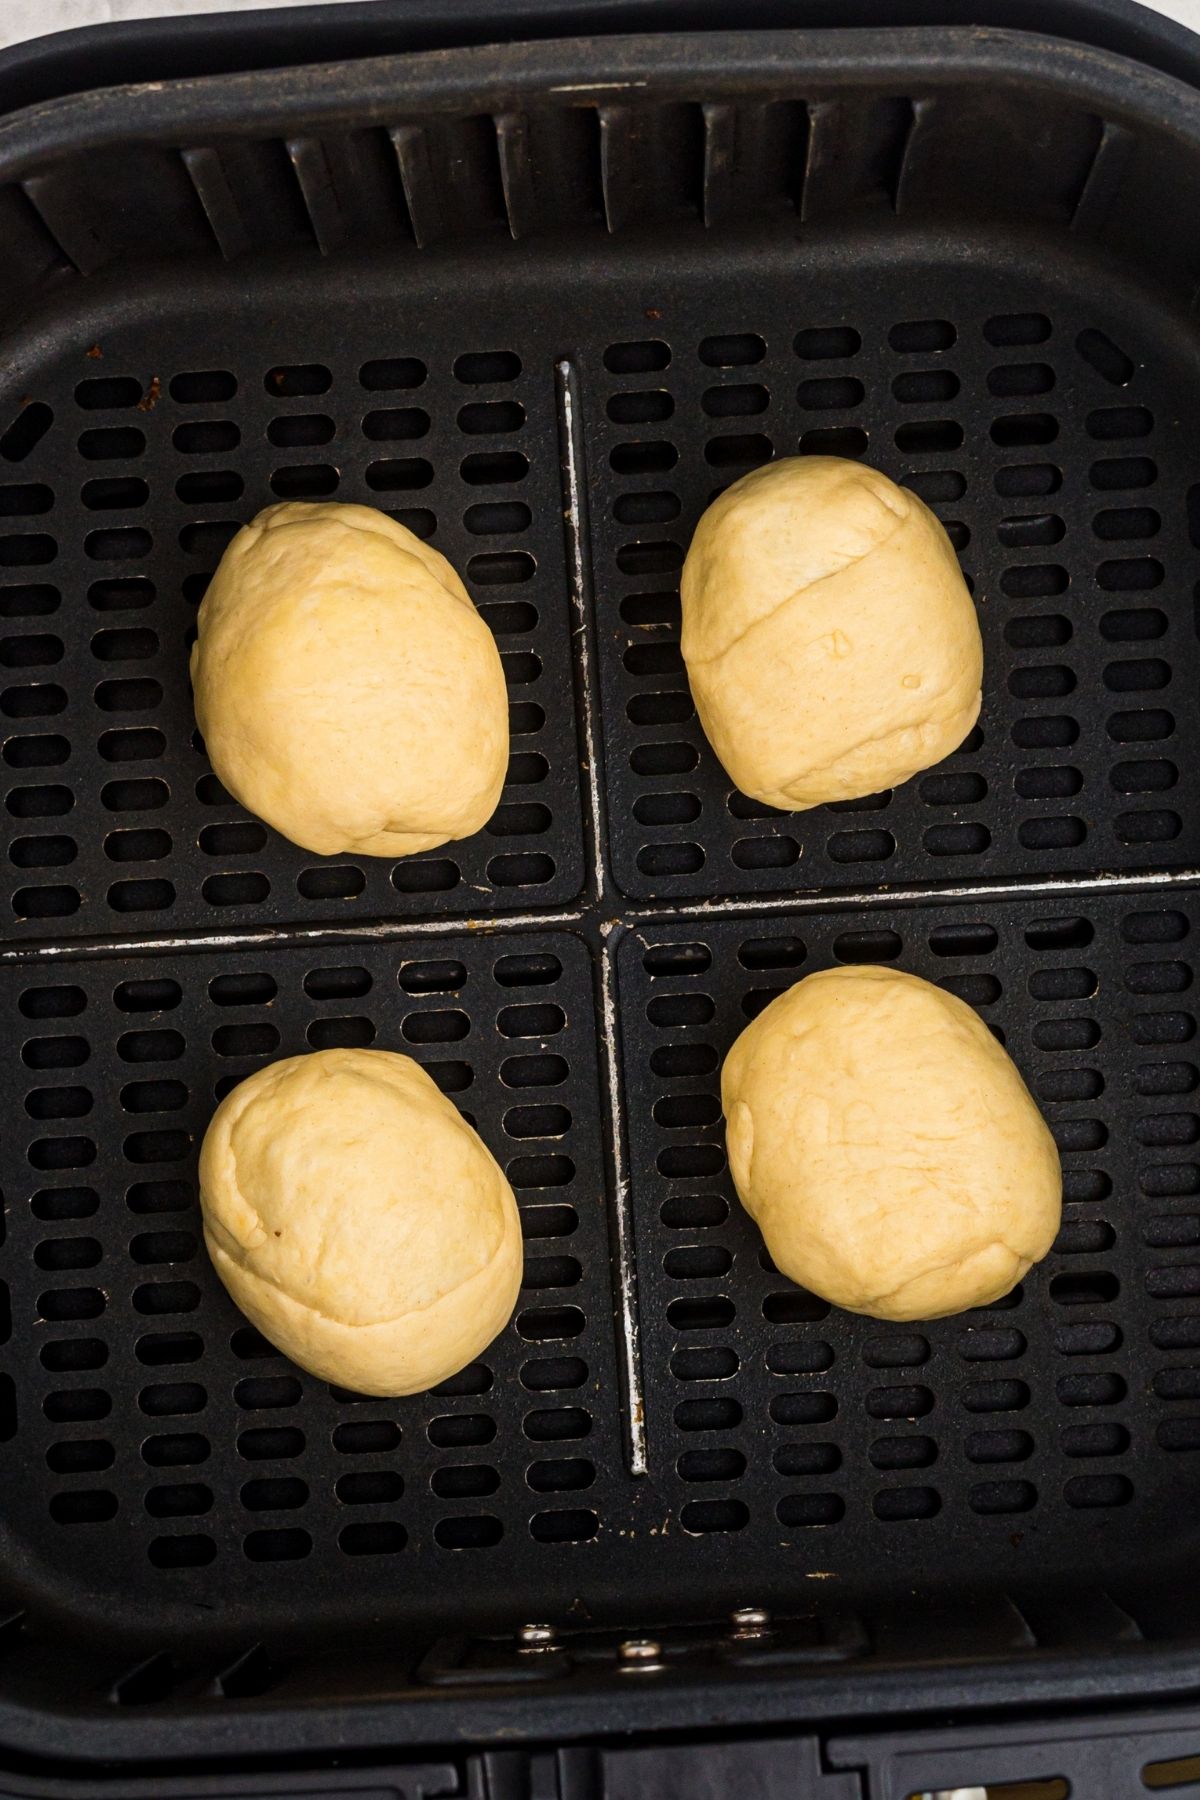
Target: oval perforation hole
27,430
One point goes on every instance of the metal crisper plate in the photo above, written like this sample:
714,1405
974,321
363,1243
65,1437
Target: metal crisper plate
666,1430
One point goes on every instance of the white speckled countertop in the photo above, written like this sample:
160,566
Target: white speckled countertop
21,19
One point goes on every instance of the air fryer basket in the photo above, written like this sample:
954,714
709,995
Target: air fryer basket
541,304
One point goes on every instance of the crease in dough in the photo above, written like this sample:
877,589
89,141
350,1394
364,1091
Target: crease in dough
804,587
831,645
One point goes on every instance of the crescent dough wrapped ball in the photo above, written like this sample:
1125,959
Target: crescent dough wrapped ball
359,1221
887,1146
831,644
348,691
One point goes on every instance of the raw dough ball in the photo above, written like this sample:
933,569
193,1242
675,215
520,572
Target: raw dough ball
831,645
887,1146
358,1220
348,691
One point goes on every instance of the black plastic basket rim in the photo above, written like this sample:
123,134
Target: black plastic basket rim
679,65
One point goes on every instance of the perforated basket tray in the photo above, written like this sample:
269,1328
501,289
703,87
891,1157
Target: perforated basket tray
542,304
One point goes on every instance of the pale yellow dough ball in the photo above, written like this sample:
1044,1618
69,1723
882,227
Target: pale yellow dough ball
888,1148
348,691
831,644
359,1221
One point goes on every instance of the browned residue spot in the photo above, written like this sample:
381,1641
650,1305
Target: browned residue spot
149,399
95,352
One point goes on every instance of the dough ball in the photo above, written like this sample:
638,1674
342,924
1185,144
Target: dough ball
830,641
348,691
358,1220
887,1146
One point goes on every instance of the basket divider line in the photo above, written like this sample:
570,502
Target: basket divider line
1050,888
378,931
570,417
627,1281
384,930
570,421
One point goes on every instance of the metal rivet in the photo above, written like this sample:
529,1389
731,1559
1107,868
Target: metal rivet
642,1654
531,1639
750,1622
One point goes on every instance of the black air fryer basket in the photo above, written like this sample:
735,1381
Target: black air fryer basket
541,302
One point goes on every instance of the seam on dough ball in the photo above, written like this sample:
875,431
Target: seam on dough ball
403,1356
410,1312
1021,1266
805,587
241,1255
826,772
